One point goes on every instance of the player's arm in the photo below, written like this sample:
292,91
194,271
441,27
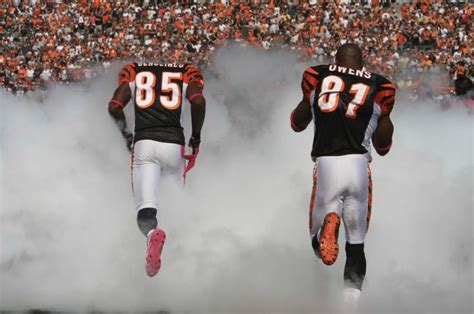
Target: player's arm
382,137
301,115
195,96
119,100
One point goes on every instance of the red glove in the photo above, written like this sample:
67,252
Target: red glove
191,158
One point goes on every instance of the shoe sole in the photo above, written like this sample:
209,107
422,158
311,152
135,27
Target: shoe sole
153,255
328,247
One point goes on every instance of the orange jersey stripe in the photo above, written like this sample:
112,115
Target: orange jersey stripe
310,70
311,79
382,94
193,74
385,99
127,74
389,85
308,83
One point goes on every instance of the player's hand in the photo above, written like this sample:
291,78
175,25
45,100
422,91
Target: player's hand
128,139
194,144
191,158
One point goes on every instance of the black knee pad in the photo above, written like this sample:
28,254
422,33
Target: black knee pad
146,220
356,266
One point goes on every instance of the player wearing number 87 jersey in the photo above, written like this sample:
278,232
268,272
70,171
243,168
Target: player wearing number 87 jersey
159,93
350,108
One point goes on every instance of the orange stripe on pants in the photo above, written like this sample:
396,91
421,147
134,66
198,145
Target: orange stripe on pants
369,201
131,166
313,197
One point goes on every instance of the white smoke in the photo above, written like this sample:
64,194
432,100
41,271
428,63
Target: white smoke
238,236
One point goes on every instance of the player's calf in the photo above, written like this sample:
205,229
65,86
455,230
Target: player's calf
355,268
146,220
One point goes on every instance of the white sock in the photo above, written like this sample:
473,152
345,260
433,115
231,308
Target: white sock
150,232
351,299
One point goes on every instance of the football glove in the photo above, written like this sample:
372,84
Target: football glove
191,158
128,139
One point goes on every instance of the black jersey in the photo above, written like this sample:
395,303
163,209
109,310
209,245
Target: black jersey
346,106
158,92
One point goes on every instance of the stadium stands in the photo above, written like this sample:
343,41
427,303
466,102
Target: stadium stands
67,41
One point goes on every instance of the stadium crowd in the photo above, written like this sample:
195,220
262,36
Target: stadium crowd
69,41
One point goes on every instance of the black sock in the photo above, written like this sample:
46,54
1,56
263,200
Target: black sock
146,220
315,245
356,266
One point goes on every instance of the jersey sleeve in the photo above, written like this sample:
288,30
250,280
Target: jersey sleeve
385,96
309,82
127,74
193,74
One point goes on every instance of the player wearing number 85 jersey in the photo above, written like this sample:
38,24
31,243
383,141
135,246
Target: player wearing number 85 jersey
350,108
159,93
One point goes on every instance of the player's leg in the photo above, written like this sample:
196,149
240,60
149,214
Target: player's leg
354,275
165,157
355,222
355,213
325,210
172,161
146,173
146,219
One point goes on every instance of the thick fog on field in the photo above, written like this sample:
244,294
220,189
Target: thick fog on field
238,238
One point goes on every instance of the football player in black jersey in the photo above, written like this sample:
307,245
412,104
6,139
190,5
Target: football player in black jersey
350,108
158,92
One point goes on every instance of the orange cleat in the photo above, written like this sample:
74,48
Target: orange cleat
328,247
156,240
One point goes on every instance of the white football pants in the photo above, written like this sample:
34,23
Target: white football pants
151,160
342,184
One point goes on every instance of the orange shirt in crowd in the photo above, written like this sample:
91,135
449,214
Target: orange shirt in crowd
22,73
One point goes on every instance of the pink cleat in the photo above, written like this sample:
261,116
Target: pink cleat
156,240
